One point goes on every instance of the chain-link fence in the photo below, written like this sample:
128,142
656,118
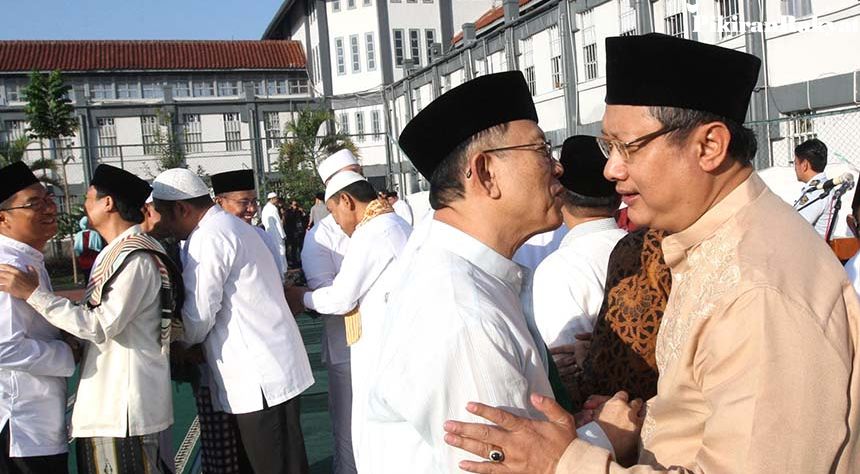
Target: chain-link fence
838,129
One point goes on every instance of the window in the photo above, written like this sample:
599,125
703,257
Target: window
204,88
149,128
398,47
729,16
446,83
430,38
181,89
415,46
796,8
277,86
260,88
800,129
674,21
107,138
102,91
15,129
298,86
350,4
315,65
371,51
152,90
589,45
228,88
127,90
555,65
353,50
375,125
341,64
232,132
411,1
427,1
418,106
627,17
14,91
344,123
480,67
359,126
527,63
192,133
335,6
273,129
367,3
395,1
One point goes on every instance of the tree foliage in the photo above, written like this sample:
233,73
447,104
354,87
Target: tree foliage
303,149
16,150
49,109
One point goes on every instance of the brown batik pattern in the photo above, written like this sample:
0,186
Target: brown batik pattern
622,353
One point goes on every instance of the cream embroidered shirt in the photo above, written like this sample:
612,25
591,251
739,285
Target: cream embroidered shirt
756,351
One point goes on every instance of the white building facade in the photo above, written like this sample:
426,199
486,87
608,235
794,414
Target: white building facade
226,102
357,47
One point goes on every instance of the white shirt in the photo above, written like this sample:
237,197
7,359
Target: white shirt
454,332
363,281
235,305
538,247
402,209
322,253
125,375
569,283
34,364
271,220
273,248
820,212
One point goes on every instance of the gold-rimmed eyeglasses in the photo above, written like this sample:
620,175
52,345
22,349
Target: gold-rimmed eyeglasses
36,204
544,148
609,145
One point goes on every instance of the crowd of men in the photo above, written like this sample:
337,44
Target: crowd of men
675,335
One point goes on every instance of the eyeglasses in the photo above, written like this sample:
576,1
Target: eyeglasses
246,203
35,204
544,148
608,145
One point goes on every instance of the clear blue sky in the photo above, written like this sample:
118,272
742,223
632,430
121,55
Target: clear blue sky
136,19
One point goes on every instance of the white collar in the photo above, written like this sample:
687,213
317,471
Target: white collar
477,253
22,248
590,227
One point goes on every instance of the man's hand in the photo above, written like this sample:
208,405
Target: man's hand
19,284
528,446
622,421
295,298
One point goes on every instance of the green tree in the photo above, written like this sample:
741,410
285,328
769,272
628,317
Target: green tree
303,149
17,149
51,116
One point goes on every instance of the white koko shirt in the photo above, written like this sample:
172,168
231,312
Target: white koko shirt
235,306
34,364
125,376
363,281
569,283
454,332
322,253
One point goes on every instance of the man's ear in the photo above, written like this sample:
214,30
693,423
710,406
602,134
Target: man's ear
483,177
712,145
109,203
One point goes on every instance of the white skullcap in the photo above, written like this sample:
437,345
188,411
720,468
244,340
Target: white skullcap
334,163
272,195
340,181
149,199
178,184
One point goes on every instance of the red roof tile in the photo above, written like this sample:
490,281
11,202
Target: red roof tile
488,18
154,55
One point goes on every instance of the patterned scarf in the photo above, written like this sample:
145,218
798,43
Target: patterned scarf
352,320
113,261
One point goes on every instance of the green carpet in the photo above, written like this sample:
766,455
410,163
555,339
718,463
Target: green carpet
314,404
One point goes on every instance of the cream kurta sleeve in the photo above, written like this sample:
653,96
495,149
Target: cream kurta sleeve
132,288
767,368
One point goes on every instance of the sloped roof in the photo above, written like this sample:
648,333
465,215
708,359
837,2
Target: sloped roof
150,55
